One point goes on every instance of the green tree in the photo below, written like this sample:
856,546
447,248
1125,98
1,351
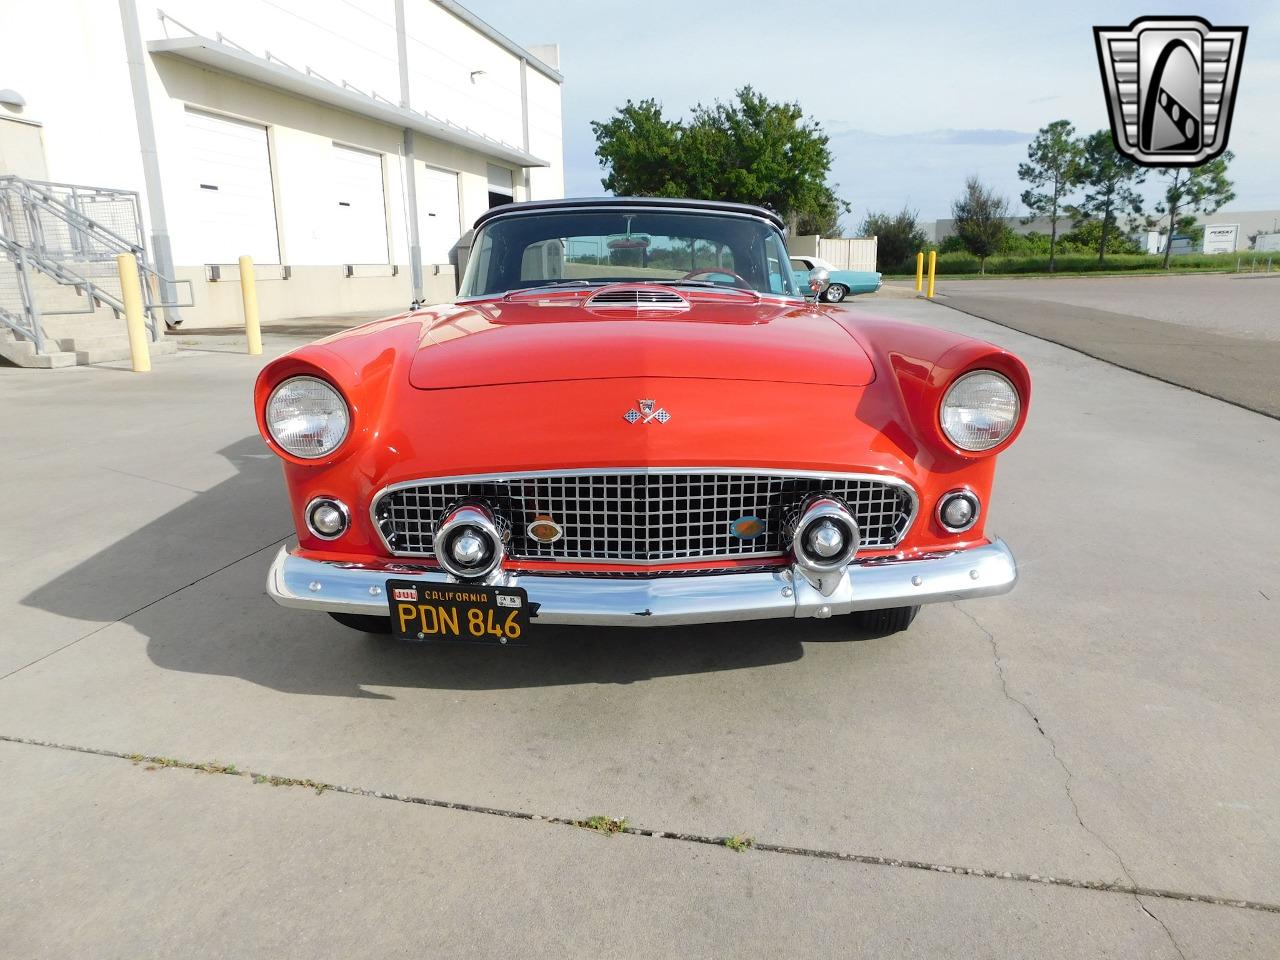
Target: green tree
640,150
1052,170
980,215
1189,190
1109,180
825,221
898,236
750,150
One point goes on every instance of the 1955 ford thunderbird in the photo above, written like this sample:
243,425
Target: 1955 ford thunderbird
631,416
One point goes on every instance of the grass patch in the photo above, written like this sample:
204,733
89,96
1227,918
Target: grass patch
212,766
318,787
606,825
227,769
739,843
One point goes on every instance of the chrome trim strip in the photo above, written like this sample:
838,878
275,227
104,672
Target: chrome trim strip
984,571
614,471
644,204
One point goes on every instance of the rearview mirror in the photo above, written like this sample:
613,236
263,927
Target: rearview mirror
819,280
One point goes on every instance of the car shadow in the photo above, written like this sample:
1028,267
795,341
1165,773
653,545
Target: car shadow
205,610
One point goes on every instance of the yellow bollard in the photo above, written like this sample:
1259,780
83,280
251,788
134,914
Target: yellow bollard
933,270
131,295
249,294
919,271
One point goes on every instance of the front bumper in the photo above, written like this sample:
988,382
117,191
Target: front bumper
983,571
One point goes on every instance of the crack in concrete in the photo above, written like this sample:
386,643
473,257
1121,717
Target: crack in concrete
163,483
321,787
998,661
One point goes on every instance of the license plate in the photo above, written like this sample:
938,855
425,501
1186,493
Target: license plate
449,611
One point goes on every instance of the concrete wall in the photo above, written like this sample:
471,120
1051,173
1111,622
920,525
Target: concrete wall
309,292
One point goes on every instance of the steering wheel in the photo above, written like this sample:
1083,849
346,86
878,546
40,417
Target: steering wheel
737,280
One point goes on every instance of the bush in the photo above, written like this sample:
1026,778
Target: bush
898,237
1088,234
960,263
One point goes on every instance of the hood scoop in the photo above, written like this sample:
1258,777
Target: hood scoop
637,298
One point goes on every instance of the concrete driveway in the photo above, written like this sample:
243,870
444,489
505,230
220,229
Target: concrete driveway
962,789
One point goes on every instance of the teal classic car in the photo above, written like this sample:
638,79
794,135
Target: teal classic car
844,283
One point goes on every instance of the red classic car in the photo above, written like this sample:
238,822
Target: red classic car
631,416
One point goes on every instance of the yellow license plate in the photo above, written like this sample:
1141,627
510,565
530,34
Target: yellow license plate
448,611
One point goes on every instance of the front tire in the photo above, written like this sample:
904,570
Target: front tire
835,293
365,623
882,623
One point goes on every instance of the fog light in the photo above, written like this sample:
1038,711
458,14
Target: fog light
825,539
958,510
468,543
327,518
825,536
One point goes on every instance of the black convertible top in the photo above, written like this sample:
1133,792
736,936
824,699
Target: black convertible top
713,206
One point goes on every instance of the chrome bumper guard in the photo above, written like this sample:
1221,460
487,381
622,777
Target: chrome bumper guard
983,571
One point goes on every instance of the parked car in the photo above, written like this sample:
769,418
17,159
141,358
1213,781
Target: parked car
842,283
640,433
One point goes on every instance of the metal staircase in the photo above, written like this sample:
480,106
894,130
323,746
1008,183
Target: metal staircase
60,297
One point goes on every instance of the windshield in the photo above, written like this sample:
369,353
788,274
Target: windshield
585,247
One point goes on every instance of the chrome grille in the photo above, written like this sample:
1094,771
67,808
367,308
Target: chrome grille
642,517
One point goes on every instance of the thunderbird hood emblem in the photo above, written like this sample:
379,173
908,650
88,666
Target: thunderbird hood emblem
649,412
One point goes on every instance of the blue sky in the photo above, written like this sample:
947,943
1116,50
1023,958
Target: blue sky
915,96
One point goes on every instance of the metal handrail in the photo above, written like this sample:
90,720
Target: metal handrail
30,329
113,191
39,197
67,212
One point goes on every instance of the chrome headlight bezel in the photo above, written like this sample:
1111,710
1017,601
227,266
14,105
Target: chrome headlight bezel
339,406
983,445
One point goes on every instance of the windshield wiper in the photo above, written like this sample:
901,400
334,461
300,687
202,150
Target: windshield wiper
723,287
549,285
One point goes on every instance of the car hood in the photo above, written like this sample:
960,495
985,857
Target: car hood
558,339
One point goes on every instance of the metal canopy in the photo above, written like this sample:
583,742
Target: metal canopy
227,59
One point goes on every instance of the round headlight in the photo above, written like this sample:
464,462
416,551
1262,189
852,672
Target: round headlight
307,417
979,411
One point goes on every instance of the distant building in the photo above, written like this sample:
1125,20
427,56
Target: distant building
1249,223
946,228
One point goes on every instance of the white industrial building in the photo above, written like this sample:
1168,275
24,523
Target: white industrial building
345,145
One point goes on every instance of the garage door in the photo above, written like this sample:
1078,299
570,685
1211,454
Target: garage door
439,220
500,185
360,206
233,204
